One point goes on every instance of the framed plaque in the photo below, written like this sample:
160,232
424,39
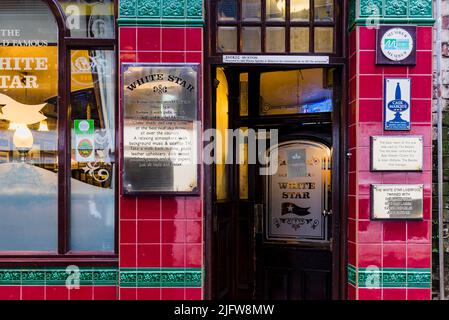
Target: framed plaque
160,131
396,153
397,104
397,201
396,45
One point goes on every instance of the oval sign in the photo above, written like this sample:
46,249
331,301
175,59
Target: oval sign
397,44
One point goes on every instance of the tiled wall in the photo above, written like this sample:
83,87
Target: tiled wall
387,259
161,240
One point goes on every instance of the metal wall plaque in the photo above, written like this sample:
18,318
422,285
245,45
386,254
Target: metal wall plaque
397,104
160,134
275,59
397,201
396,45
396,153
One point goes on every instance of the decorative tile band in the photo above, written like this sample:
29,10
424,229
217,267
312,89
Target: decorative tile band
161,277
390,277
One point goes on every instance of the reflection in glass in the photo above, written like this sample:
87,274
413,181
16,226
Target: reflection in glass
89,19
295,91
28,127
93,150
243,94
243,164
227,10
275,39
251,39
299,39
275,10
324,10
251,10
299,10
221,144
227,39
324,39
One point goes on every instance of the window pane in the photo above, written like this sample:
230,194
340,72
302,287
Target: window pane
275,10
275,39
324,10
251,39
251,10
299,10
221,144
227,10
299,39
89,19
296,91
243,164
28,127
227,39
324,39
244,94
93,150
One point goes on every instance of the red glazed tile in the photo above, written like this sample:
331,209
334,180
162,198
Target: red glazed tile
148,255
149,208
427,205
422,129
173,231
423,63
127,38
394,294
127,208
352,207
33,292
364,159
370,232
83,293
173,208
352,230
352,66
149,231
128,294
173,255
367,60
127,256
105,292
353,160
193,231
194,41
149,57
351,292
352,139
149,39
193,208
421,86
173,39
148,293
194,294
394,232
353,89
418,231
394,255
352,253
364,208
421,111
419,177
367,38
370,294
174,57
128,231
366,179
194,57
172,293
370,255
194,255
427,161
419,294
353,42
394,177
419,256
352,183
366,130
370,110
56,293
352,117
370,86
395,71
128,57
424,38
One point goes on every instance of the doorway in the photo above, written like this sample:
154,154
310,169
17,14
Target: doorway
275,235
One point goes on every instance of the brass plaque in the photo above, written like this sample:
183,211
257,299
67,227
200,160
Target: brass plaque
160,135
396,153
397,201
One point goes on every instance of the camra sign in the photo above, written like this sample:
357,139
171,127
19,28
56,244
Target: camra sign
396,45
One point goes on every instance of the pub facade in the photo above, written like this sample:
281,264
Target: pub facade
217,149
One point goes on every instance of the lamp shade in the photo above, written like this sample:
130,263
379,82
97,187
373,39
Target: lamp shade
23,138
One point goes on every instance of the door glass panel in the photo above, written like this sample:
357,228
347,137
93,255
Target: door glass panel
324,39
299,192
28,127
243,164
295,91
275,39
227,10
299,39
251,39
243,94
221,143
251,10
324,10
299,10
227,39
275,10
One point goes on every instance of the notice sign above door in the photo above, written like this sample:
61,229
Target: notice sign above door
396,45
397,104
397,201
396,153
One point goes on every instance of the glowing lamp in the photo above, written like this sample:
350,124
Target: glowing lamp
23,140
43,126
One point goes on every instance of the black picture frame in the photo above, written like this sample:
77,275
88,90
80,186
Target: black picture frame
381,59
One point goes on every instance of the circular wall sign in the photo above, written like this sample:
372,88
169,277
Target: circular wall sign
396,44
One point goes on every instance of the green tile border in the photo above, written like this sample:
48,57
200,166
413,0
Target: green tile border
390,277
161,277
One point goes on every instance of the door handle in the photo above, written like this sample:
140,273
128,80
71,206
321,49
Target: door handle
327,213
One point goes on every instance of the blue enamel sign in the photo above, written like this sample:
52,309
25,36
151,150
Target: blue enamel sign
397,104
